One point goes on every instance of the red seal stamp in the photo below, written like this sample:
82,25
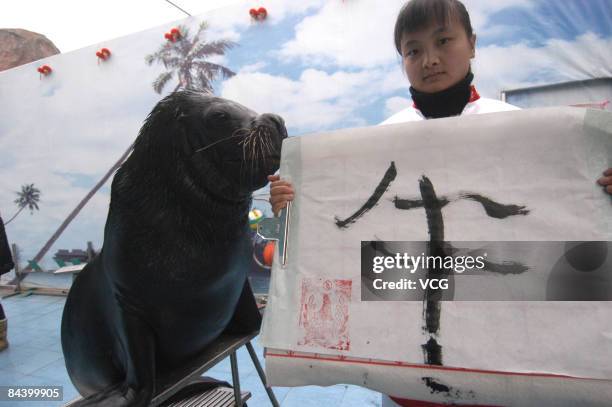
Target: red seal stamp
324,313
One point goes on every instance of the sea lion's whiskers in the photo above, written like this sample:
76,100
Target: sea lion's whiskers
254,152
252,144
260,145
268,143
263,135
261,156
264,141
262,152
255,161
257,149
249,139
274,149
237,133
244,143
264,146
249,147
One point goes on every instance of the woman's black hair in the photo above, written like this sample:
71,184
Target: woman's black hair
418,14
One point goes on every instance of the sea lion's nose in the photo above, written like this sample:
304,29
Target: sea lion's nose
276,121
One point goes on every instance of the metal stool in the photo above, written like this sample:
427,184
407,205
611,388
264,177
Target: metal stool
224,346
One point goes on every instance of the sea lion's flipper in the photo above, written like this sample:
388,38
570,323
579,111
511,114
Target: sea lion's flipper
139,344
100,399
138,386
87,342
246,318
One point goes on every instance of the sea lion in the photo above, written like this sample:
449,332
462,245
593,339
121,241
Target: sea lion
173,264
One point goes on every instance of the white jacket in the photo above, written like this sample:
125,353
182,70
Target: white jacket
476,105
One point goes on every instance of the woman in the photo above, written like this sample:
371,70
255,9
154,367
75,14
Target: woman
436,42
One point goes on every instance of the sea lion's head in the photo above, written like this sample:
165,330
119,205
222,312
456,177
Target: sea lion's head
243,145
215,145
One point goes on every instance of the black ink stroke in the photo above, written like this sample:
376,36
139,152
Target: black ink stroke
505,268
433,211
431,303
495,209
432,351
415,203
492,208
436,386
389,176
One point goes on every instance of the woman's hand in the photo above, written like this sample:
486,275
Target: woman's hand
281,192
606,180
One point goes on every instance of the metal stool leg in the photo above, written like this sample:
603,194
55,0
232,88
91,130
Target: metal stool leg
262,376
235,379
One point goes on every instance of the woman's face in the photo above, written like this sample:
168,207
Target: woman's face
438,56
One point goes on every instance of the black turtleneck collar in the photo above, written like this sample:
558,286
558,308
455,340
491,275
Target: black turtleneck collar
448,102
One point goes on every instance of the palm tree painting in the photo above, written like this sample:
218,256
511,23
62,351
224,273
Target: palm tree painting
187,59
27,198
41,253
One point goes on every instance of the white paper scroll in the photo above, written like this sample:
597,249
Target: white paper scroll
318,331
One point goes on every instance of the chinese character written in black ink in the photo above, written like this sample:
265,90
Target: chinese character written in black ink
437,247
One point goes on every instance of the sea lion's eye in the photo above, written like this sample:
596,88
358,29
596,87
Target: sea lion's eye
220,115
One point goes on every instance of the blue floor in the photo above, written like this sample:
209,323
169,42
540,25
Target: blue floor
34,357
